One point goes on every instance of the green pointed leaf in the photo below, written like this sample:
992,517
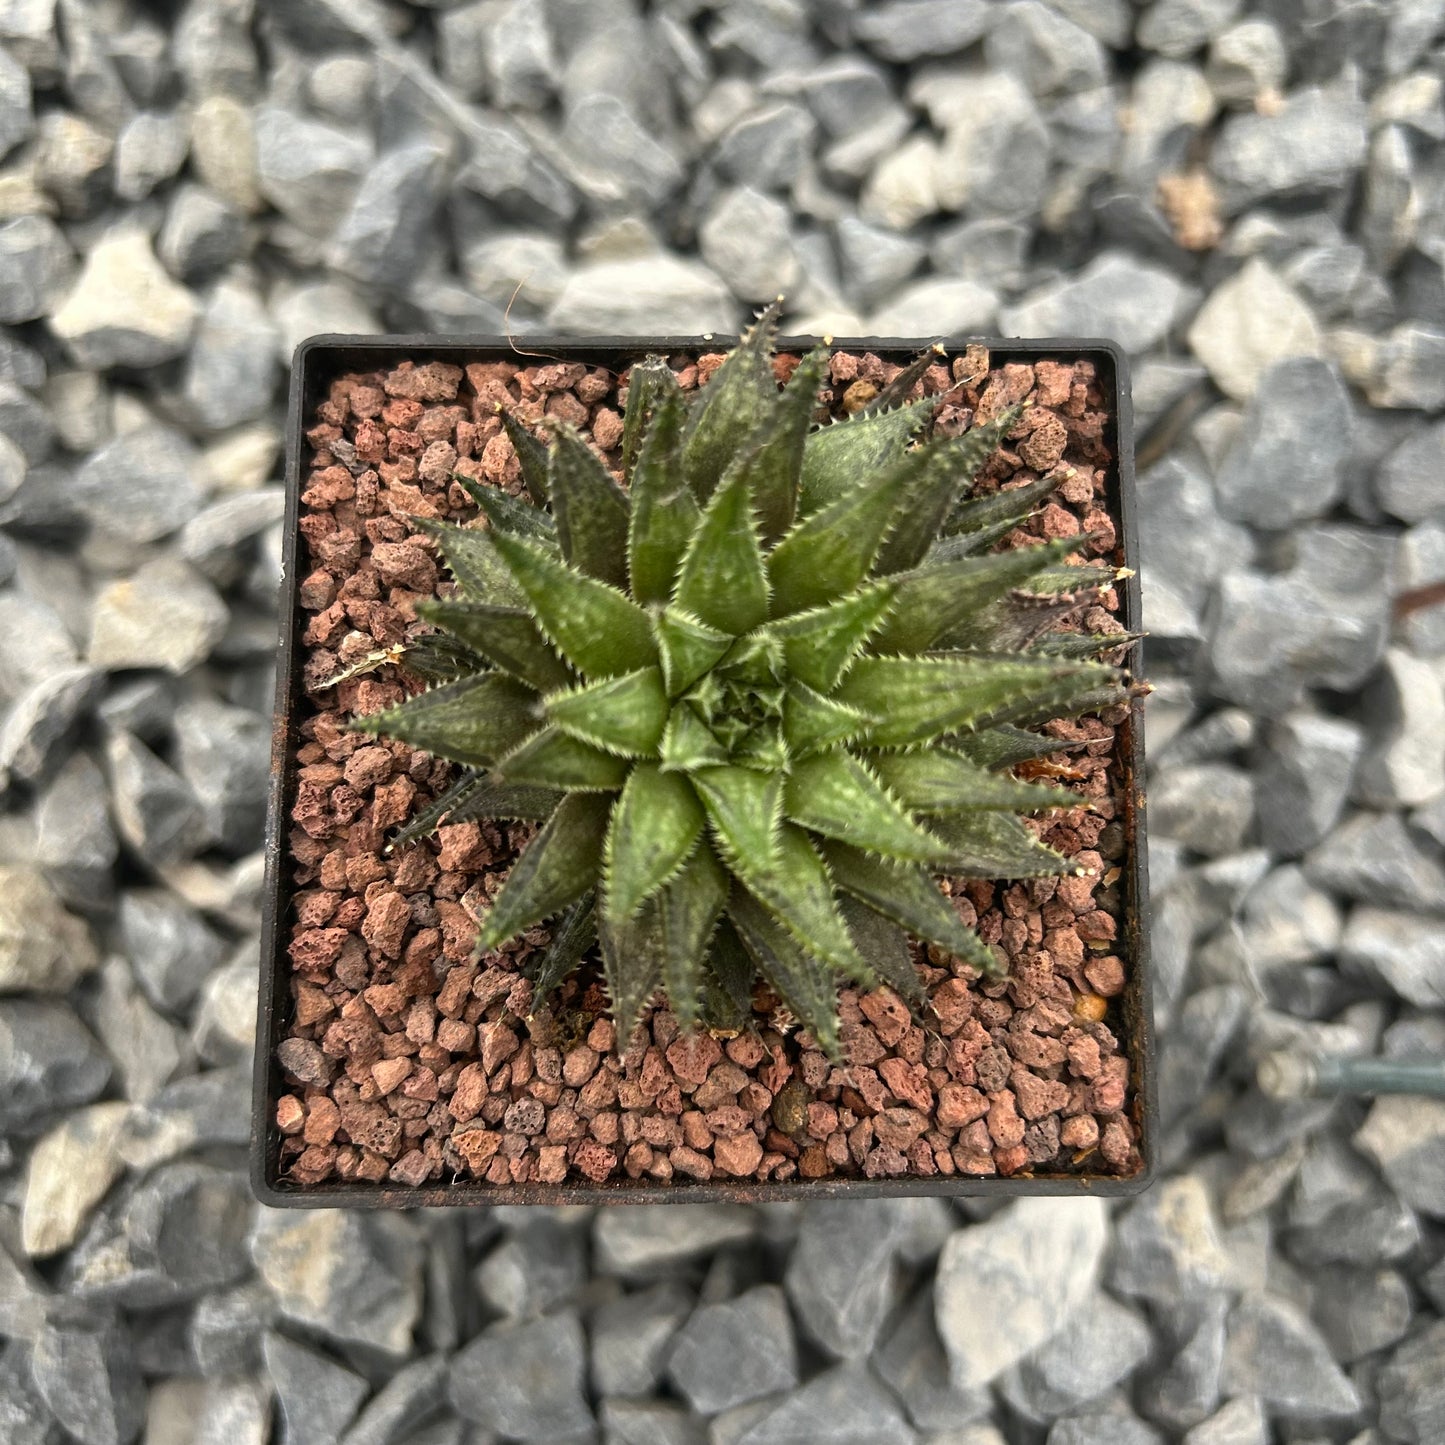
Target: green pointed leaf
1067,698
687,910
740,394
812,722
940,781
997,845
1064,580
744,808
908,896
895,392
775,465
688,743
435,657
933,600
574,932
592,511
429,817
727,985
884,945
1005,745
473,721
834,794
664,511
943,470
597,629
551,759
805,984
1083,644
866,444
920,698
649,384
506,513
723,582
623,715
795,887
471,554
655,826
819,644
505,635
556,868
531,454
985,519
632,966
506,800
688,648
829,553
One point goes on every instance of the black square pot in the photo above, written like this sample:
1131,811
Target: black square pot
320,360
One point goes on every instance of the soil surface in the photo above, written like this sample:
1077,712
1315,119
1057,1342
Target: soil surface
405,1061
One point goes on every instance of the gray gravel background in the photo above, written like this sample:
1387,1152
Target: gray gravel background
1251,197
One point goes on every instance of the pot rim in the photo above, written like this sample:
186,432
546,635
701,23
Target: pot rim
315,361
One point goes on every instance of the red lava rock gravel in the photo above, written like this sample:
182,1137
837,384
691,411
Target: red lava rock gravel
406,1062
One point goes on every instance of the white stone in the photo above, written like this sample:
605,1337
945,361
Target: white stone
69,1172
1035,1263
903,188
937,308
660,293
124,310
1249,322
43,949
1404,763
223,151
165,615
326,307
1405,1135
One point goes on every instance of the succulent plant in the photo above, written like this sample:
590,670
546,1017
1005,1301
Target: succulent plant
758,696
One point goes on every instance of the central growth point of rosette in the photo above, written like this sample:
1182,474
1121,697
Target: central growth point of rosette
758,695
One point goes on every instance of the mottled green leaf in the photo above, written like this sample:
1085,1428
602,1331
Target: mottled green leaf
471,554
884,946
597,629
829,553
931,601
774,467
551,759
723,582
435,657
557,867
664,511
592,511
688,743
687,910
936,780
649,383
632,966
940,473
506,513
727,985
1082,644
997,845
744,808
794,886
531,454
836,795
812,722
574,932
688,648
837,457
739,395
429,817
985,519
624,715
920,698
1069,697
505,635
805,984
895,393
655,825
1005,745
473,721
819,644
908,896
